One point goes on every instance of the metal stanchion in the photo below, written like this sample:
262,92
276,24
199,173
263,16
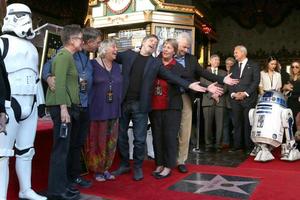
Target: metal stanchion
197,148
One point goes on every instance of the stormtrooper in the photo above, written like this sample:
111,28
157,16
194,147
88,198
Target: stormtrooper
271,120
21,64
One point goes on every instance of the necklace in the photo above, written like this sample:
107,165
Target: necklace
101,61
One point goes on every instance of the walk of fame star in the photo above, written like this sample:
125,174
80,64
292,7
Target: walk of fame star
214,184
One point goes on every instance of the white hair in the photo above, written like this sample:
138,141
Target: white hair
104,46
214,56
184,36
242,48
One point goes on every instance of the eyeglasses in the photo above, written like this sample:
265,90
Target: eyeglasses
76,37
295,66
95,42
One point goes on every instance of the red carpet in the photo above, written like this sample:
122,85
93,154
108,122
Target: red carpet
278,179
44,125
274,184
276,164
43,144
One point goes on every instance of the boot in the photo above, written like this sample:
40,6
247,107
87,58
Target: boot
23,169
4,177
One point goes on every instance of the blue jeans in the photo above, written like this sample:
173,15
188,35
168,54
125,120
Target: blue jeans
131,111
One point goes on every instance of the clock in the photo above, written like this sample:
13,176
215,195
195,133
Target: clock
118,6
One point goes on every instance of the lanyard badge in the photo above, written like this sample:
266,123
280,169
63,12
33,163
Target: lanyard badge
158,89
109,94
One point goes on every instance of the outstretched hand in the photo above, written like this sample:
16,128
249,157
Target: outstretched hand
215,90
230,81
196,87
3,123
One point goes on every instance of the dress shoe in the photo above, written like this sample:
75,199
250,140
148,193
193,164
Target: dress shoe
155,173
159,176
64,196
79,181
138,174
73,190
121,170
150,157
182,168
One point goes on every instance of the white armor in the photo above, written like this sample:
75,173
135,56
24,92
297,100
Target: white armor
270,121
18,20
21,62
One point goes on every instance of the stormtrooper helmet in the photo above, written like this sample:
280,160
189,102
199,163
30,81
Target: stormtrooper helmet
18,20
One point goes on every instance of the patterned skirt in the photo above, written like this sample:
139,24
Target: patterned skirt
100,146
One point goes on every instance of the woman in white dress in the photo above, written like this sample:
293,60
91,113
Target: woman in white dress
270,78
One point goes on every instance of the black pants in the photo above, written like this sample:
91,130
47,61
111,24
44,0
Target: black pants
80,127
242,128
165,125
57,180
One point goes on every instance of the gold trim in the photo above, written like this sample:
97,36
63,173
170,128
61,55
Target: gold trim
93,2
87,19
143,17
161,5
181,8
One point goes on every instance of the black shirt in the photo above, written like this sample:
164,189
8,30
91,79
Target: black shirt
136,77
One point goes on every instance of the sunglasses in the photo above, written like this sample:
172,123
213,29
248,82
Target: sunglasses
295,66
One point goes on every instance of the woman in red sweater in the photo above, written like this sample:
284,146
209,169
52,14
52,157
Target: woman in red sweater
166,114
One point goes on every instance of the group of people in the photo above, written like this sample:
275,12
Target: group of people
233,106
91,103
69,76
230,110
96,99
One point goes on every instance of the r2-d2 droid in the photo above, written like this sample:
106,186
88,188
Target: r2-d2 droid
270,121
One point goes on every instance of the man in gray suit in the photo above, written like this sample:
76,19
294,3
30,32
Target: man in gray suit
213,108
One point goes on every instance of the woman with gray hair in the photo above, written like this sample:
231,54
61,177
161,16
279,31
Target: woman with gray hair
165,116
105,110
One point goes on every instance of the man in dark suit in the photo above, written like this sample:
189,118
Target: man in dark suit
139,71
194,71
213,109
243,97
